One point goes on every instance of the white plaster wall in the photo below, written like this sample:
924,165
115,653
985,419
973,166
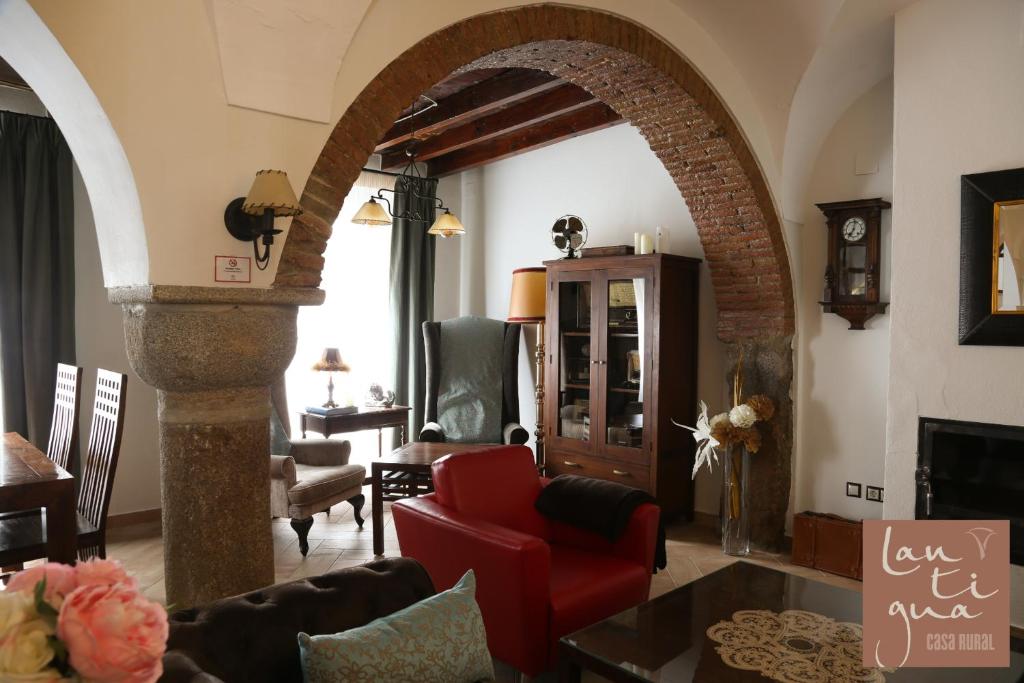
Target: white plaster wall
613,180
99,343
959,103
843,374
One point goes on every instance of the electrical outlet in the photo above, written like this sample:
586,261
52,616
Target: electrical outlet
873,493
852,489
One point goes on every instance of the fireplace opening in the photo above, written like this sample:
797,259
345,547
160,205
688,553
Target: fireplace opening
972,470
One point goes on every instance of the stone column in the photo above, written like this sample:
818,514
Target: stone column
212,354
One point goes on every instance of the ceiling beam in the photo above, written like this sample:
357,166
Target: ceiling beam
469,104
572,124
538,108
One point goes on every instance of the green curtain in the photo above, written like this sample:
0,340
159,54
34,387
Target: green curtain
37,270
412,295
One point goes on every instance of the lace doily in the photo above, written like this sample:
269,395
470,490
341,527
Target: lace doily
793,647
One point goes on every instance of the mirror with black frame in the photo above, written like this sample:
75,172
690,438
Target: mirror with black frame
992,258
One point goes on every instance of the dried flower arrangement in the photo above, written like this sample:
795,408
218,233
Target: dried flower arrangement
738,426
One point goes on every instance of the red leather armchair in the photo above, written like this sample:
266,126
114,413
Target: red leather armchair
537,580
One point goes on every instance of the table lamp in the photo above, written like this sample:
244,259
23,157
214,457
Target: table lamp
331,362
528,303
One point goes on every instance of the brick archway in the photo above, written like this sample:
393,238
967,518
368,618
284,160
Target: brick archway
639,76
687,126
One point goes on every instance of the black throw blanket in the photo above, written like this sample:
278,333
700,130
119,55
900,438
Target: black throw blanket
604,507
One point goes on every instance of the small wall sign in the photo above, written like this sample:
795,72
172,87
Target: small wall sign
232,269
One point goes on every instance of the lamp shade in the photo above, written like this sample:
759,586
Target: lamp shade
528,296
331,362
372,213
271,190
446,225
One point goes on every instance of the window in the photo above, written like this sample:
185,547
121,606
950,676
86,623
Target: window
354,318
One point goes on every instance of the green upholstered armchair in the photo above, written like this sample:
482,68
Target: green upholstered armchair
472,382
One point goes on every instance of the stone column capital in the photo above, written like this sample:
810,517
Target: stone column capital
187,339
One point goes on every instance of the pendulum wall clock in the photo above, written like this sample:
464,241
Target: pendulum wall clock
853,275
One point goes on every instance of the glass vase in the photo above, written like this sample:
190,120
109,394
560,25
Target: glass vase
735,511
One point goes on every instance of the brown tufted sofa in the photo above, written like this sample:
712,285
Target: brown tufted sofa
252,637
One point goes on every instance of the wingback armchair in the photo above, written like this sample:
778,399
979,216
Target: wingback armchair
309,475
537,579
472,382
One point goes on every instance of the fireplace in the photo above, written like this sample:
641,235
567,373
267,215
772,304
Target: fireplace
972,470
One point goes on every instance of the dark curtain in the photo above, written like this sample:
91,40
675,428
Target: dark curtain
412,295
37,270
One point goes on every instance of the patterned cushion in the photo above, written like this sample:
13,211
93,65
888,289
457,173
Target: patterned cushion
440,639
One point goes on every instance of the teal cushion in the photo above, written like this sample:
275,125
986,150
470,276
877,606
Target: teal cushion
440,639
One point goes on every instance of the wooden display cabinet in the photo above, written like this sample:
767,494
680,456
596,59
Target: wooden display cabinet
621,364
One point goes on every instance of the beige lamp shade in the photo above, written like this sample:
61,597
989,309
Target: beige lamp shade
372,213
446,225
271,190
529,296
331,362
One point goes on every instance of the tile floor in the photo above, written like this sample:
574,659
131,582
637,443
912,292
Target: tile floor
337,541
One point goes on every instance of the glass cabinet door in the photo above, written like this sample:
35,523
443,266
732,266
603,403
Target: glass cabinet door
625,365
576,360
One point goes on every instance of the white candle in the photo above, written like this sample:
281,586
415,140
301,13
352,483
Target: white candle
636,243
646,244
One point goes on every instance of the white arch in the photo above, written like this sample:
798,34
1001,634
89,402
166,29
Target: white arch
28,46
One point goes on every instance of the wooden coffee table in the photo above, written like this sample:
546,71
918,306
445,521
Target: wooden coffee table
405,473
666,639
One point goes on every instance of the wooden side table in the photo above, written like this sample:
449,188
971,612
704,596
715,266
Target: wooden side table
405,473
366,418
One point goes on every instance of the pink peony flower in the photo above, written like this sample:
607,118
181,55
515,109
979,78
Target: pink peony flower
98,572
113,634
60,581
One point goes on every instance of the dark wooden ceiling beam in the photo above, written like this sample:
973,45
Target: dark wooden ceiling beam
469,104
584,120
538,108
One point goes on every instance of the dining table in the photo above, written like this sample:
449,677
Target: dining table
29,481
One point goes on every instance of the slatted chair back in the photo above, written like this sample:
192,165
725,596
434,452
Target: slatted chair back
67,402
101,456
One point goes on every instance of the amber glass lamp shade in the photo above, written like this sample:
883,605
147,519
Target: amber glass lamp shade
446,225
372,213
528,296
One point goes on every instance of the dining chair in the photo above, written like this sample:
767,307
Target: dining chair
62,448
22,538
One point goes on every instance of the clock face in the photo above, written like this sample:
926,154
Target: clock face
854,229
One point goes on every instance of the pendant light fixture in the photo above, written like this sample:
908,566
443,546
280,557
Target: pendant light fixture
379,211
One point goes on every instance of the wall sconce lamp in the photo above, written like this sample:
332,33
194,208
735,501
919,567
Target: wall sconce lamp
251,218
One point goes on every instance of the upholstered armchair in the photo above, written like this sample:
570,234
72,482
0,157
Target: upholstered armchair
537,579
472,382
311,476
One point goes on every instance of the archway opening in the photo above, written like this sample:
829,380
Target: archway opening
688,128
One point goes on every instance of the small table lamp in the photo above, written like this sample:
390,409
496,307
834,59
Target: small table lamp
331,363
529,300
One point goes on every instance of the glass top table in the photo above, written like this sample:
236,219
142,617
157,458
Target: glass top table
667,639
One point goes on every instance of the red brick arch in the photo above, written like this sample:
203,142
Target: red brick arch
639,76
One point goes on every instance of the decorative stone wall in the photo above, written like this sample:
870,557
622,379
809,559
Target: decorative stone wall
636,74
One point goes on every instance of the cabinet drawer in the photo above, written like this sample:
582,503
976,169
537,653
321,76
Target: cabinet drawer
624,473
